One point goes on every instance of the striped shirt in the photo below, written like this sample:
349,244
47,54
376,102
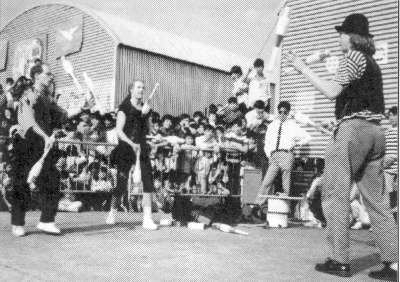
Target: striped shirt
391,147
351,67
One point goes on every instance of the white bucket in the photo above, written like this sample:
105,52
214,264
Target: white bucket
277,220
278,205
196,225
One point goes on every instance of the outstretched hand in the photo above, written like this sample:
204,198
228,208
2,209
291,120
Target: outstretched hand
291,59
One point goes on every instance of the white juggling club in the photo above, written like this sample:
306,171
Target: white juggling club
69,69
146,106
281,29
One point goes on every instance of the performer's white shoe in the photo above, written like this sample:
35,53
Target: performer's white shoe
18,231
111,218
49,227
148,223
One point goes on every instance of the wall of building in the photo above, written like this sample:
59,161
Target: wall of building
95,56
311,29
184,87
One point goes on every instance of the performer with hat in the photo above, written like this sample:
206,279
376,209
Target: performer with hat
356,149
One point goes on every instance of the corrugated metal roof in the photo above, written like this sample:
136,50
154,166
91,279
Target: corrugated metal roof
142,37
161,42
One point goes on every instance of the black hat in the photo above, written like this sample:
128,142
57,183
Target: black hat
355,23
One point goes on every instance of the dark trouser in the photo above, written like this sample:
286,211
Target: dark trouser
355,153
125,159
27,152
233,184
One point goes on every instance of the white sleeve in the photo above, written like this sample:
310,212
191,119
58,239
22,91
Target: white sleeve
302,136
267,146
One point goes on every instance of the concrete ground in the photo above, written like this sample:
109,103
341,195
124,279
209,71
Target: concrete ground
90,250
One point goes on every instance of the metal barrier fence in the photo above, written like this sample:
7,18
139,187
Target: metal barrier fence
87,172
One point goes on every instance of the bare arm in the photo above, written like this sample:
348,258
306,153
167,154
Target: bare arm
328,88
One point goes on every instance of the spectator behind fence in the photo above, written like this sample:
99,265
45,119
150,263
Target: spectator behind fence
167,129
258,86
236,144
208,140
198,116
257,122
240,88
9,96
230,111
186,163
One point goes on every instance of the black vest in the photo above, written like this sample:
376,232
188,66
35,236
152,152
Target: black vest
365,93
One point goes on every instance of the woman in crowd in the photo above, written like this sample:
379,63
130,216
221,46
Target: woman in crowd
132,129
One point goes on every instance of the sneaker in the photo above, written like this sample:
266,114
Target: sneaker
49,227
111,218
334,268
149,224
386,273
357,226
18,231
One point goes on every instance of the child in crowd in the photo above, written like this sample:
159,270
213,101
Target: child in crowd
167,129
204,168
68,201
198,116
186,162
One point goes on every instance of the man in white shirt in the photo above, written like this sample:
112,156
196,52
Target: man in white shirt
282,136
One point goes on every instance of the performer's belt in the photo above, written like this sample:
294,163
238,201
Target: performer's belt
281,150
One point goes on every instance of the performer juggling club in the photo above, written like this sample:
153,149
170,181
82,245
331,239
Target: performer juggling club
356,149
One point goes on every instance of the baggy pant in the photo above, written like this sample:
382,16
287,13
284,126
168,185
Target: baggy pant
279,161
27,152
355,153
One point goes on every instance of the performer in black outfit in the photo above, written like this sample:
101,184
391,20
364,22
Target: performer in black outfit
132,127
38,114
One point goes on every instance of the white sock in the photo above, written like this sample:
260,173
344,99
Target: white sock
113,210
147,213
394,266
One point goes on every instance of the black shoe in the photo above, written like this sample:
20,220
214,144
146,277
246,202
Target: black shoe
386,273
334,268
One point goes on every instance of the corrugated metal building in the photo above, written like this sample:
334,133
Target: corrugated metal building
311,29
113,51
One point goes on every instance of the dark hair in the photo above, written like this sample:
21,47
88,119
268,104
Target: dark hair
37,61
220,127
184,116
193,125
188,134
198,113
108,117
284,104
209,127
36,69
20,86
157,121
259,104
10,80
167,116
362,43
96,115
393,110
212,108
258,63
237,70
155,115
238,122
232,100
